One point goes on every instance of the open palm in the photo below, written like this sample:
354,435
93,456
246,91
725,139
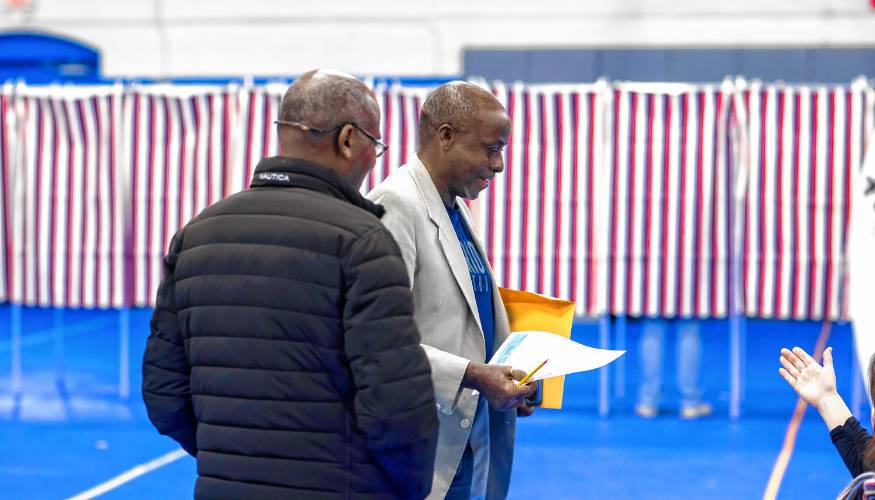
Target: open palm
811,380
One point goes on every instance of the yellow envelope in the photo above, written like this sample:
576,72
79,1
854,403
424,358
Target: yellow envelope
531,311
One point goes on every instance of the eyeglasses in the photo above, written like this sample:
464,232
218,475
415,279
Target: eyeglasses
380,147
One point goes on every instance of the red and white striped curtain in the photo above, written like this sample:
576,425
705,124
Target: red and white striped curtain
541,222
65,196
668,184
399,109
643,200
802,144
191,147
182,146
6,141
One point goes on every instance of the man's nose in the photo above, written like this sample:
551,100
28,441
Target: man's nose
496,163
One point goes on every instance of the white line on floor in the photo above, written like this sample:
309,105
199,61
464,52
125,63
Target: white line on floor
130,475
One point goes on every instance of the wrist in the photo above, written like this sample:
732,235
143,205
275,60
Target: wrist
833,410
829,400
471,379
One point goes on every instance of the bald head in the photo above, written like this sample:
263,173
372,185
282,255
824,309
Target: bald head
324,98
456,103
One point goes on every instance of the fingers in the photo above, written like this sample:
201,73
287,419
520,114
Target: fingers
793,358
517,374
524,410
789,378
800,352
827,359
521,392
518,393
510,403
503,393
527,389
788,364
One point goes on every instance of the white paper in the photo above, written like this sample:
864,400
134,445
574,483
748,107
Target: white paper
526,350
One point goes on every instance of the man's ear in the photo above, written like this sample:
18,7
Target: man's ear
344,141
446,135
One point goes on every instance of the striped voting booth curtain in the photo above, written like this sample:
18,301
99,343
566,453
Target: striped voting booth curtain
5,183
191,147
540,220
399,121
259,110
802,144
629,199
183,149
65,196
668,186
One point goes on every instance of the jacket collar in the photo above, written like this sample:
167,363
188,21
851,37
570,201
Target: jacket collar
434,205
449,242
282,171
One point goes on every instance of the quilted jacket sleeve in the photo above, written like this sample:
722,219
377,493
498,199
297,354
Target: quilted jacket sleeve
166,369
394,402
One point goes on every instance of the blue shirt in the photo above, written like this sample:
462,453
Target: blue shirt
480,278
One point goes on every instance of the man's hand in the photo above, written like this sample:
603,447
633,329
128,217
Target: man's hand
497,383
523,410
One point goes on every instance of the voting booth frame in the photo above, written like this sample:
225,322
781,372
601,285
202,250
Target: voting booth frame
727,200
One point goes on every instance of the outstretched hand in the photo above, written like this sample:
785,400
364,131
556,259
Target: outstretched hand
814,383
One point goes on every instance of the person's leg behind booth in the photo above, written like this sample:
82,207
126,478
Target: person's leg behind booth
650,352
689,351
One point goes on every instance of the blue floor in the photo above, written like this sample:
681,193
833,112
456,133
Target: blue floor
70,430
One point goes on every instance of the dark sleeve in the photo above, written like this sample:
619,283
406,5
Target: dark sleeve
394,402
166,369
850,440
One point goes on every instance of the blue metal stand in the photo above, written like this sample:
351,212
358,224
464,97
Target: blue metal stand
736,364
15,328
620,370
124,333
58,338
604,372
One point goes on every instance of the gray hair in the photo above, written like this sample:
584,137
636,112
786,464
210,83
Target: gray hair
455,103
323,99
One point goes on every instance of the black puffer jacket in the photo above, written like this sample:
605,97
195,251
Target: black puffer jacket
283,352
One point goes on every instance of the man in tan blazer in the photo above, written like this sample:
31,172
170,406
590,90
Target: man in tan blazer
463,130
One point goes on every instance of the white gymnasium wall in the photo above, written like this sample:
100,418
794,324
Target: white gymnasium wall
418,37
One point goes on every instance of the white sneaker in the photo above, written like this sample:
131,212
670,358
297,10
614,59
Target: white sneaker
695,411
646,411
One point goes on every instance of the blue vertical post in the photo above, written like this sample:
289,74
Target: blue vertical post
736,335
124,333
620,370
15,333
742,382
58,337
604,372
738,186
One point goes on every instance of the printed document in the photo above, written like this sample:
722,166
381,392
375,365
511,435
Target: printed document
526,350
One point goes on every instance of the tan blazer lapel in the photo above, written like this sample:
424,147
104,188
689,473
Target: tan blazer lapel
449,242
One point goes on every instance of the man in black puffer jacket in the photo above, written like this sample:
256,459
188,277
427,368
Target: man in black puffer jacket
283,352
